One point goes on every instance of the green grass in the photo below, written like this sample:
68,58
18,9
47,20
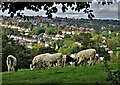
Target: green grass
80,74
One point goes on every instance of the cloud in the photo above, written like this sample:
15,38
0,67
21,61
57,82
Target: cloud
100,12
98,8
32,13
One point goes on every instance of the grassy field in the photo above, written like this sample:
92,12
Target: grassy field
80,74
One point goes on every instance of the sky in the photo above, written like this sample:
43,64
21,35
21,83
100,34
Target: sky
100,12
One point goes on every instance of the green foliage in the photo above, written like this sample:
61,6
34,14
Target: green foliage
74,49
67,36
68,42
84,39
113,34
69,47
96,37
59,32
113,76
25,24
114,57
16,32
38,46
50,31
58,43
102,53
9,31
37,31
9,22
105,34
41,50
111,44
3,22
65,51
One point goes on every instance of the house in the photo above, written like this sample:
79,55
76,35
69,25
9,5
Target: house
1,19
46,44
59,36
78,43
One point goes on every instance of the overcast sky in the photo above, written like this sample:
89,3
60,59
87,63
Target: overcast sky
100,11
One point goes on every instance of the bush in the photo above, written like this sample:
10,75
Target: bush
113,76
114,58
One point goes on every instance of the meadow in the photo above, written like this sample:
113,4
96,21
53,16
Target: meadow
68,74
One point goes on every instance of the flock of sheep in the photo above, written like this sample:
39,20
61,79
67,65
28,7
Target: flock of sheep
48,60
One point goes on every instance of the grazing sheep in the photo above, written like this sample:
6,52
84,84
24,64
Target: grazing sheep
11,63
86,55
46,60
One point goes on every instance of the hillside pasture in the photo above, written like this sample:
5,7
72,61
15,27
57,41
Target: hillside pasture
68,74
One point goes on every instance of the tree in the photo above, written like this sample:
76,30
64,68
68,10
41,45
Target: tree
67,36
13,7
25,24
58,43
37,31
9,23
50,31
111,44
16,32
41,50
84,39
105,34
75,48
38,46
